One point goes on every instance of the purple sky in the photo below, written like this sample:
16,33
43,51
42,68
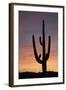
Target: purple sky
31,23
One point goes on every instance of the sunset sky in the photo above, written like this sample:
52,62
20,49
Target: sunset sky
31,23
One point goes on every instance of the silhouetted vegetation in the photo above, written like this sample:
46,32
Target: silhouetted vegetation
42,43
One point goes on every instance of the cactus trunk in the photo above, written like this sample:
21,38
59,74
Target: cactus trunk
44,67
42,43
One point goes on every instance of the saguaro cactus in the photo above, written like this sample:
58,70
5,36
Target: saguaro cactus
42,43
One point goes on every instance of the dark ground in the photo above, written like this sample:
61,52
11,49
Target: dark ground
26,75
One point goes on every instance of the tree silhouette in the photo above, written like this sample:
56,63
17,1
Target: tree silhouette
42,43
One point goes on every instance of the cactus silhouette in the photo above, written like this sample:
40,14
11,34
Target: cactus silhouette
42,43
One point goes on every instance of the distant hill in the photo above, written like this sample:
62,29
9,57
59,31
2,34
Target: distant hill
26,75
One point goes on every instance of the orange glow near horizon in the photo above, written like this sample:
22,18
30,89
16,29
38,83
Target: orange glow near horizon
28,63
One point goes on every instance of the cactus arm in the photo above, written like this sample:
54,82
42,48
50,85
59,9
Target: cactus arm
49,44
35,52
40,41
